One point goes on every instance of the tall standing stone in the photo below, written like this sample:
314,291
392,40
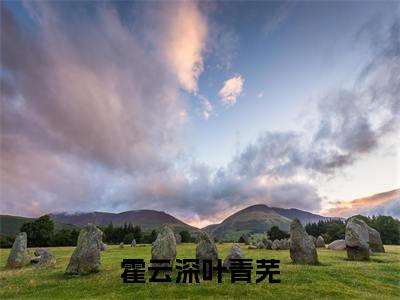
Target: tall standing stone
375,241
302,246
86,257
19,255
235,253
357,239
206,249
133,243
164,247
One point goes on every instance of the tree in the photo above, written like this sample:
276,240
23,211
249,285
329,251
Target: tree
137,233
185,235
389,228
128,238
39,232
276,234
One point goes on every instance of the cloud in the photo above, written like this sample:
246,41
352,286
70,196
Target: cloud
384,203
260,95
88,106
207,108
350,123
231,90
184,41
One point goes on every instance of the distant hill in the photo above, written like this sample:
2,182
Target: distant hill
253,219
10,225
146,219
305,217
259,219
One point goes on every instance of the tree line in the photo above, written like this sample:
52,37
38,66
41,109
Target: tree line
330,230
41,233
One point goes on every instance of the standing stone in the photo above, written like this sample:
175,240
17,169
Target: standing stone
235,253
337,245
121,245
86,257
375,242
178,238
133,244
164,247
314,239
276,245
46,259
320,243
357,239
302,247
19,255
206,249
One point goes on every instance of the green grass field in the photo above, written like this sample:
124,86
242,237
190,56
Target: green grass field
334,278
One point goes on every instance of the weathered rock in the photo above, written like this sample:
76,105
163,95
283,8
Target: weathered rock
133,243
276,245
235,253
268,244
206,249
164,247
19,255
357,239
337,245
375,242
302,247
320,243
121,245
103,247
178,238
46,259
86,256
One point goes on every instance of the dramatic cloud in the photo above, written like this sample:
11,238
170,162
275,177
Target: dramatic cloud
185,41
86,107
351,123
92,115
387,203
231,90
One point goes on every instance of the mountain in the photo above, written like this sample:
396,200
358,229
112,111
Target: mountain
146,219
305,217
259,219
10,225
253,219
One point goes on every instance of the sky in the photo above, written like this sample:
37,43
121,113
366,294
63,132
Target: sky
200,108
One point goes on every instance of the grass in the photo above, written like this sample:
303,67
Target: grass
334,278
